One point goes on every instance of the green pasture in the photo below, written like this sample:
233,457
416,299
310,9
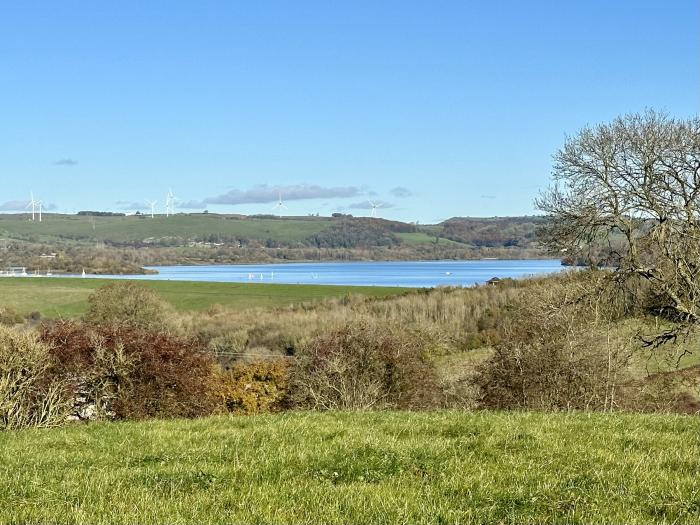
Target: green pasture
347,468
139,228
67,297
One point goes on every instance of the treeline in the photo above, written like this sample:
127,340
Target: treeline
361,233
505,232
101,214
99,258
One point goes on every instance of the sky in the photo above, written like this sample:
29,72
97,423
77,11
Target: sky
429,109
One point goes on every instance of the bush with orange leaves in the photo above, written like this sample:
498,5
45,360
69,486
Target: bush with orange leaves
250,388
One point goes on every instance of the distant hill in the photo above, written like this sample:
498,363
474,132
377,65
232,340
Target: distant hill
107,243
325,232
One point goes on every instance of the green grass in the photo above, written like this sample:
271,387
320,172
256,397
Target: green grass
134,228
390,467
182,226
67,297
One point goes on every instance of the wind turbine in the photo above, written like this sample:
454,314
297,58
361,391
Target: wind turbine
32,203
152,204
41,205
170,203
375,206
280,205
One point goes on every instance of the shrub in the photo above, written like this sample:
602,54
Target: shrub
671,391
129,373
557,351
249,388
28,395
9,317
363,366
34,316
129,304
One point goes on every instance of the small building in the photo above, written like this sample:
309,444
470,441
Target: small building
494,281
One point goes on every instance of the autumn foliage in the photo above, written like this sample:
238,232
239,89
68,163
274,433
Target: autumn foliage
133,373
250,388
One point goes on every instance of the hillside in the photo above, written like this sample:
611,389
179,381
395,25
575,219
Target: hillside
107,243
503,232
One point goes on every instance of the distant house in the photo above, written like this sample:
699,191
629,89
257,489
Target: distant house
494,281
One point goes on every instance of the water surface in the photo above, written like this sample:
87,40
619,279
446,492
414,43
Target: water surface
423,274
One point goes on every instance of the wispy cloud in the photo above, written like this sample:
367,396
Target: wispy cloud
22,206
488,196
13,205
366,205
401,192
65,162
132,205
266,194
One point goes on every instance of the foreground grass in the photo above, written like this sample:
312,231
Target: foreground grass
67,297
447,467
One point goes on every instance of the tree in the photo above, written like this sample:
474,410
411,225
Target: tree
634,185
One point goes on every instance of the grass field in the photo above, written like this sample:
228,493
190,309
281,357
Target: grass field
394,467
183,226
135,228
67,297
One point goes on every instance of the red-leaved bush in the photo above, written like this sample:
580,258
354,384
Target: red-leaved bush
129,373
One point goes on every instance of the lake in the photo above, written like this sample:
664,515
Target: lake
420,274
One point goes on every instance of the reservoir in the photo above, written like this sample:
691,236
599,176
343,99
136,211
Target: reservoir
419,274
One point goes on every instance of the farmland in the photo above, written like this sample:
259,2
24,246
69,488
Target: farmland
67,297
125,229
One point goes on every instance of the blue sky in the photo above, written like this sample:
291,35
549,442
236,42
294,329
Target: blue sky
434,108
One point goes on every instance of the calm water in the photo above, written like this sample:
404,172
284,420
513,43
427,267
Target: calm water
410,274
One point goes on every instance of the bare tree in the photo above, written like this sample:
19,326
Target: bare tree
634,186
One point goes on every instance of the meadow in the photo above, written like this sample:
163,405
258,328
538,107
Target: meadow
123,229
67,297
366,467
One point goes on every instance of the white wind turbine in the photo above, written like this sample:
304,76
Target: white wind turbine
152,204
32,204
280,205
40,204
170,203
375,206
